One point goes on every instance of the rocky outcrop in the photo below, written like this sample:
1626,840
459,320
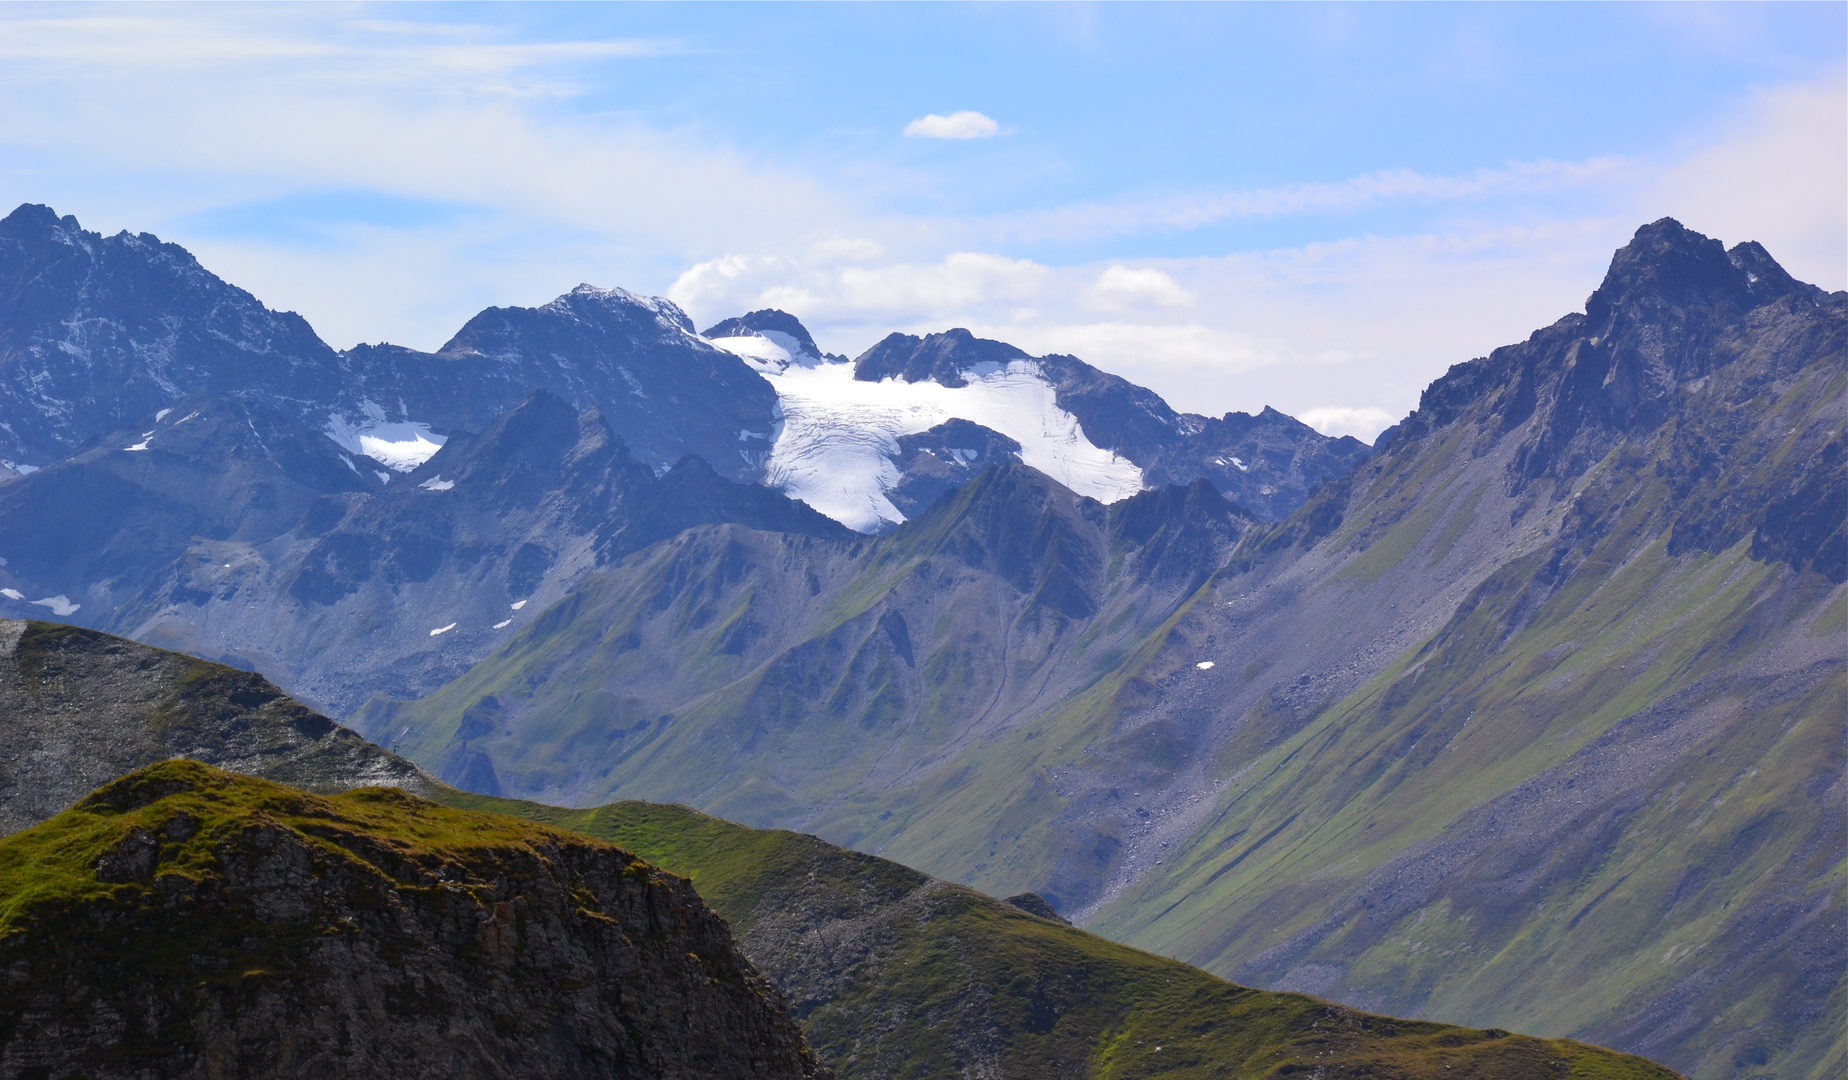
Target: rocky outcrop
79,708
187,922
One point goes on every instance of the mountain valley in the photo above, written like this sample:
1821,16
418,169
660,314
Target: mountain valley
1530,716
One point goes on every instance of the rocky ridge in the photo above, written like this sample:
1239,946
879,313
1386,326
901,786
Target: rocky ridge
193,922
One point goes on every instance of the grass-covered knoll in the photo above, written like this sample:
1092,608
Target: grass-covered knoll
184,920
896,974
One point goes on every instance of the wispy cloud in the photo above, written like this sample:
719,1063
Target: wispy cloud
1089,220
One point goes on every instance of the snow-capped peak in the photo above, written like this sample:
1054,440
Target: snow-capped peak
768,352
836,445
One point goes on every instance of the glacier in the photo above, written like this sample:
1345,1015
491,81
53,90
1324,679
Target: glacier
836,436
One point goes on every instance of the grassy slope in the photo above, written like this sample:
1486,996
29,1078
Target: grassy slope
896,974
1645,913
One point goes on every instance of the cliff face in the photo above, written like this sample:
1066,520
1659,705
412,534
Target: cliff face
188,922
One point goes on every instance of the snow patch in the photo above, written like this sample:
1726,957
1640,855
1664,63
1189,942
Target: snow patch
502,623
161,415
517,605
838,436
1205,665
60,605
20,467
12,594
142,445
442,629
400,445
437,483
768,352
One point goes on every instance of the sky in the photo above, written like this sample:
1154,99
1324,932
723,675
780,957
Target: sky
1316,207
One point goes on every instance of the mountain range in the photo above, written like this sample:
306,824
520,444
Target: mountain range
1534,719
196,470
1530,716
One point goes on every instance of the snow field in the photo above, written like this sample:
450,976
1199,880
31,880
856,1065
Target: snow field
835,445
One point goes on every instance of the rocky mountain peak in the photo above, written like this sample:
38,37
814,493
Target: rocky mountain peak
1669,270
940,358
769,320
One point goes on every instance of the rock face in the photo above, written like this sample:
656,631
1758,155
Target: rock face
79,708
189,922
99,333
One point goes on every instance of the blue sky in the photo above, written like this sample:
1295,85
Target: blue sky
1319,207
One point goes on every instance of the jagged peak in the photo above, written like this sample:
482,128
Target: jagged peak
939,357
660,308
1666,263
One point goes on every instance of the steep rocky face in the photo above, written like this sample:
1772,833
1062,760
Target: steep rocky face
803,669
231,529
192,922
637,360
79,708
99,333
945,457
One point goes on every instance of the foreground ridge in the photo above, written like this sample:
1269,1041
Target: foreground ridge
192,922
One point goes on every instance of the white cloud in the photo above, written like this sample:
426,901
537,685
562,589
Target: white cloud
1124,286
958,125
1778,175
1089,220
1338,420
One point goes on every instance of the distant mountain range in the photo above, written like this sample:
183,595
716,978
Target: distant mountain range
196,470
1531,716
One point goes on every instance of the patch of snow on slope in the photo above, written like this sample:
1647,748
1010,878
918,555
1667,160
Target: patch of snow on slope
60,605
12,594
837,438
399,445
768,352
